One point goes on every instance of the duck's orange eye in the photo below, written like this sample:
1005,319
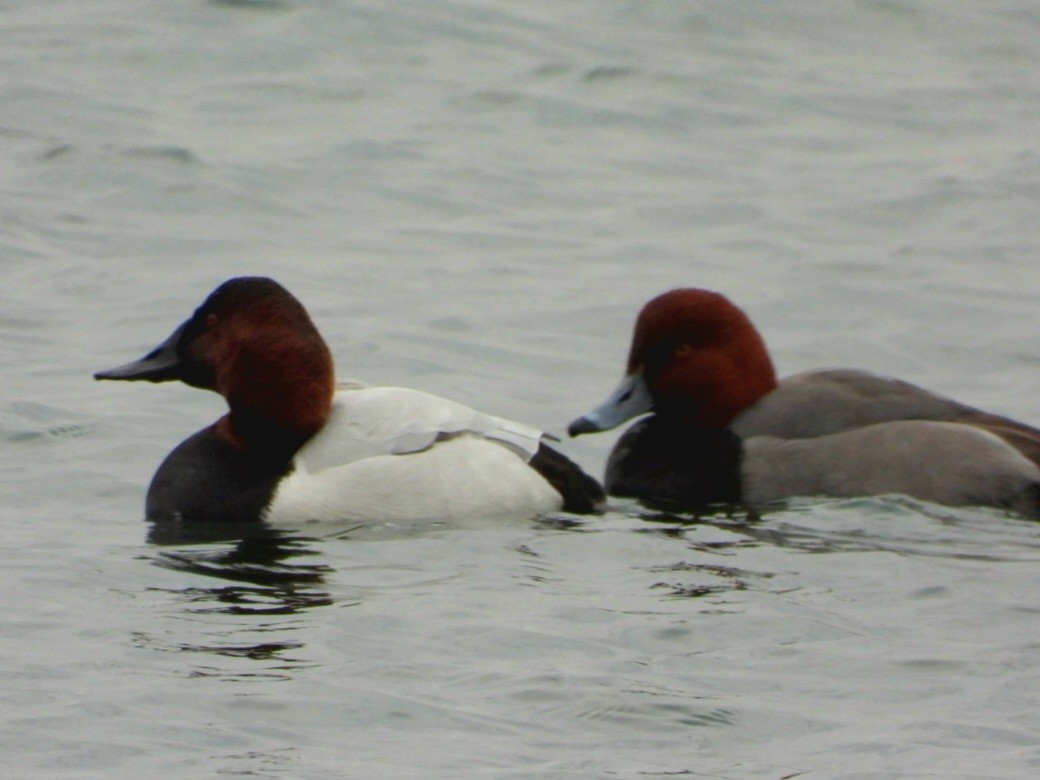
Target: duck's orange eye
683,350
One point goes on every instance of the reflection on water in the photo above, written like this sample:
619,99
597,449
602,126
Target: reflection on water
266,579
840,525
730,579
264,651
260,560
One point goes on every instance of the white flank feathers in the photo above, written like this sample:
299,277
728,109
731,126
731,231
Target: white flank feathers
394,454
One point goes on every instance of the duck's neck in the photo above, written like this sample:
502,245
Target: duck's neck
729,401
714,395
279,392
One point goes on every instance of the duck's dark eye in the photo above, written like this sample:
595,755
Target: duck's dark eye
625,396
211,320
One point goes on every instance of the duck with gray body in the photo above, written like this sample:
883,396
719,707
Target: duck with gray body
835,432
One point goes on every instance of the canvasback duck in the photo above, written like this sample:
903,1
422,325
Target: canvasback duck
294,447
724,430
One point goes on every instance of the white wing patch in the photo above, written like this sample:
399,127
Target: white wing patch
370,421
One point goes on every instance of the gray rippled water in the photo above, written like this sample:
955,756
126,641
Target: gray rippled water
474,198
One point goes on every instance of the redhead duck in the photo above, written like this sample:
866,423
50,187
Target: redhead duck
724,430
295,447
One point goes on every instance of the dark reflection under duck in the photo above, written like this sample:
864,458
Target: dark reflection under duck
273,572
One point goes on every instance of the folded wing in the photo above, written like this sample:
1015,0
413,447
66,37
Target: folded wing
372,421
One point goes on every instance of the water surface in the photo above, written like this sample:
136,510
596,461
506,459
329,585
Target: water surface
474,199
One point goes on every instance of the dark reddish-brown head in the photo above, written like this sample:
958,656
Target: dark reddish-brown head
695,358
701,357
254,343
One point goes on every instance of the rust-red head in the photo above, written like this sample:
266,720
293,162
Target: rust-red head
695,358
254,343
